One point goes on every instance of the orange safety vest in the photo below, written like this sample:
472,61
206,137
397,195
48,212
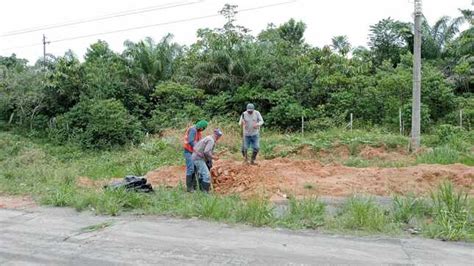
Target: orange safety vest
197,138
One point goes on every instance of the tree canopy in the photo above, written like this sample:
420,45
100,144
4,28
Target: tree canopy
153,85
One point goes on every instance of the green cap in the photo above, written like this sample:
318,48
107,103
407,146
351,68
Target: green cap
202,124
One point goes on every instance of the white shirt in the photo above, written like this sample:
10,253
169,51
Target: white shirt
249,121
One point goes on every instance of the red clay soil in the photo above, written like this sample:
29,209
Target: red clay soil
371,153
280,177
16,202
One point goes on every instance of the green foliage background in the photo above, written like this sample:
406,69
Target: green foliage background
111,98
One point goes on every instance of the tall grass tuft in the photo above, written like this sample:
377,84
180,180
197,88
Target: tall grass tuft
214,207
439,155
407,208
451,217
364,214
113,201
256,211
305,213
60,196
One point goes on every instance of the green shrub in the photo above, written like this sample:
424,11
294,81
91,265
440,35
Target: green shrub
113,201
98,124
287,116
214,207
424,113
409,207
451,217
446,133
439,155
454,137
357,162
176,105
320,124
362,214
466,104
61,196
256,212
217,105
174,118
305,213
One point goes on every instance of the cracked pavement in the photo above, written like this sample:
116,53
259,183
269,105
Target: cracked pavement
59,236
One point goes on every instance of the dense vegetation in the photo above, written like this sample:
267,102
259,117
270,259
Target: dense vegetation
112,98
64,105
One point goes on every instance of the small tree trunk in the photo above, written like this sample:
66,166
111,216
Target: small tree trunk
11,118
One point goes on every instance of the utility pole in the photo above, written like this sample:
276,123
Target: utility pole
416,105
44,51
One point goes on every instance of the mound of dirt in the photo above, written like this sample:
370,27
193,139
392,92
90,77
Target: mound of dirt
370,153
339,151
278,177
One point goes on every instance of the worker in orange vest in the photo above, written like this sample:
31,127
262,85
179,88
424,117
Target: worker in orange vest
192,136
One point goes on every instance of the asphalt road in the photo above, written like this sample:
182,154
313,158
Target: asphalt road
60,236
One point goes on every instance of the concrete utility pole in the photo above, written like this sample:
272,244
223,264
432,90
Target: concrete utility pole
44,51
416,106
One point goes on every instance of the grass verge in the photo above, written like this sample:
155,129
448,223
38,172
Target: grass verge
446,215
48,173
364,215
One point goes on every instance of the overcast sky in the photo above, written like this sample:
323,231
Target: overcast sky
324,19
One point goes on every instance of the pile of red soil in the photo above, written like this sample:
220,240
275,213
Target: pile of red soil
280,177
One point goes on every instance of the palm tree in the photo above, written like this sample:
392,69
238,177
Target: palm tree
150,62
444,30
341,44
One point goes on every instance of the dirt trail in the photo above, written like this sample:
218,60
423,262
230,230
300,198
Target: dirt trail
279,177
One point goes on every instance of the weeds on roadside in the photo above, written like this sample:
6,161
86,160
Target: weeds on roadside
305,213
447,216
359,213
214,207
61,196
451,217
140,167
256,211
39,169
410,207
96,227
113,201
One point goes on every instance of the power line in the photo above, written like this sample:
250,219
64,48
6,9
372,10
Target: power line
23,46
105,17
168,22
153,25
134,28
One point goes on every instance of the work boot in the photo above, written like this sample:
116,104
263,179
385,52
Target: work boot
199,184
254,157
246,157
204,186
194,181
190,187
